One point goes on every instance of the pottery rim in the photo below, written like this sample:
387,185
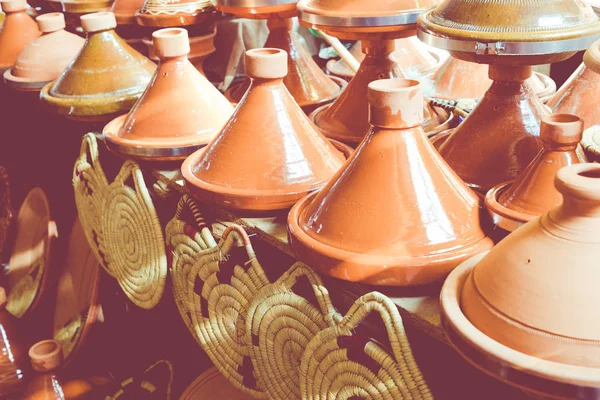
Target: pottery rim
502,362
408,270
46,355
23,83
504,217
194,41
258,9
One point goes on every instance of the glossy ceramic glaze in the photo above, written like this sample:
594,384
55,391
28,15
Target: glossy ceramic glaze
106,78
269,154
46,359
164,14
17,30
533,192
499,138
346,119
396,214
125,10
200,48
45,58
179,112
258,9
13,356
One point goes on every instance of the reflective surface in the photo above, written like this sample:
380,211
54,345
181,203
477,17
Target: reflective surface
17,30
13,357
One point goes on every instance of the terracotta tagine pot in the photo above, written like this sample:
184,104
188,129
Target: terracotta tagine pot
174,13
180,111
521,312
17,30
46,359
512,204
45,58
499,138
579,93
269,154
105,79
410,225
74,9
376,24
125,10
12,351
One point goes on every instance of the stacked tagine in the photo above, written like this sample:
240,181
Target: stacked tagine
499,138
305,80
17,30
127,27
376,24
74,9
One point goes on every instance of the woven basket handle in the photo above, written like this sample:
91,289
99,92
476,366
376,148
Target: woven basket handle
290,278
186,203
131,169
88,153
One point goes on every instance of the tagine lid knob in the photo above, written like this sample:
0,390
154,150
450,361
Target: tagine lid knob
99,21
14,5
171,42
266,63
395,103
46,355
51,22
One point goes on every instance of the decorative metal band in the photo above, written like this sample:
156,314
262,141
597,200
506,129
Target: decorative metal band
408,18
148,152
253,3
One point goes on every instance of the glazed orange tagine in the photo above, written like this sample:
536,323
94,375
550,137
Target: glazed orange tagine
17,30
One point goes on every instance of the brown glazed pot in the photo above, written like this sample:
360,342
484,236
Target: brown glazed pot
522,311
346,119
45,58
174,13
499,138
179,112
17,30
396,214
13,345
46,359
512,204
125,10
269,154
105,79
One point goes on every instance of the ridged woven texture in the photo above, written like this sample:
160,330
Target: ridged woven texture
170,7
135,248
24,292
154,384
340,363
214,295
281,323
6,211
90,186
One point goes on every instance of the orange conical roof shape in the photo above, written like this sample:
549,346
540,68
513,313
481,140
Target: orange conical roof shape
269,154
17,30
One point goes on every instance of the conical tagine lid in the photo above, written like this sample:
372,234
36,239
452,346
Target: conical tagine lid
179,112
17,30
487,30
396,214
106,78
269,154
45,58
533,192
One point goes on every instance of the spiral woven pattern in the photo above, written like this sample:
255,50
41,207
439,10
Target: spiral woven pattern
135,248
23,293
90,186
6,212
339,363
281,323
170,7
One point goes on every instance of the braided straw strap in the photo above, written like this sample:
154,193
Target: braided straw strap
6,212
220,287
135,248
90,186
339,363
184,243
281,323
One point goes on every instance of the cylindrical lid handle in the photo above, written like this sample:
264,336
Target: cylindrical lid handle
14,5
51,22
395,103
46,355
561,130
171,42
266,63
99,21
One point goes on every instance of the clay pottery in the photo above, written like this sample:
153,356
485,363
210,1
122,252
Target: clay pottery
105,79
340,69
579,93
165,14
521,312
12,351
346,119
258,9
512,204
591,143
269,154
212,384
74,9
395,214
46,359
45,58
499,138
17,30
458,79
125,10
180,111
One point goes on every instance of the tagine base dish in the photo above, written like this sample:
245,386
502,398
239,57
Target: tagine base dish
374,270
174,20
505,218
548,378
23,84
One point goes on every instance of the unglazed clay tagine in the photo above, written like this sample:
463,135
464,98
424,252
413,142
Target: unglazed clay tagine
45,58
105,79
269,154
511,204
521,313
165,14
179,112
16,32
499,138
458,79
12,352
258,9
46,359
395,214
472,31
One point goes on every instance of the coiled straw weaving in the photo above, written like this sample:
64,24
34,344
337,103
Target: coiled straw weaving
340,363
90,185
281,323
135,248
